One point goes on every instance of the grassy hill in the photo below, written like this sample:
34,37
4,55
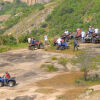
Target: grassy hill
17,11
71,14
66,14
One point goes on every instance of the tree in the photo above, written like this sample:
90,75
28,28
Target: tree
87,63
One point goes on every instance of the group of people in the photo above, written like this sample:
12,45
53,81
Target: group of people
83,34
31,40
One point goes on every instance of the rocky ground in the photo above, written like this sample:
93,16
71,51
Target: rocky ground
34,83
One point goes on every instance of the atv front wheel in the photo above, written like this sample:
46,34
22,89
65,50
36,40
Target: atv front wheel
1,84
11,83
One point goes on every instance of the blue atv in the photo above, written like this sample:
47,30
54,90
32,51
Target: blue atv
7,82
62,46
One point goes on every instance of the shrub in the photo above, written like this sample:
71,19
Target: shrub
8,40
23,38
43,24
49,67
41,7
63,61
54,58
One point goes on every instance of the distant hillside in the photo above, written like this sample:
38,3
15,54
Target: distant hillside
71,14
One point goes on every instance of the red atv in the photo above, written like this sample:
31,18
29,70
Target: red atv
37,44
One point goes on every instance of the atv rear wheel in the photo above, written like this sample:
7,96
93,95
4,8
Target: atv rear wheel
11,83
1,84
41,46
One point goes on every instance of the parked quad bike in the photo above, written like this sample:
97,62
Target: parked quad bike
37,44
66,38
7,82
88,39
97,39
62,48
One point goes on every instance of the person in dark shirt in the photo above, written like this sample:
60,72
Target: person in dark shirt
76,44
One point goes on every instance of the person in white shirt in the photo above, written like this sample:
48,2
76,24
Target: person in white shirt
45,39
66,32
96,30
83,34
29,40
59,41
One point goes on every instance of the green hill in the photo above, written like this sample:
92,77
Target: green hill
71,14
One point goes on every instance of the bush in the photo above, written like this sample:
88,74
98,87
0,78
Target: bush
49,67
54,58
8,40
23,38
63,61
41,7
43,24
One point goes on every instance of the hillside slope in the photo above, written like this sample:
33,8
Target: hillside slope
32,21
71,14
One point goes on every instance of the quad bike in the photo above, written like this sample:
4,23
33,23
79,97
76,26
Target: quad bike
7,82
37,44
88,39
97,39
67,37
63,46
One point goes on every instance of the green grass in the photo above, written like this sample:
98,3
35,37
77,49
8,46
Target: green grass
4,48
13,47
49,67
87,82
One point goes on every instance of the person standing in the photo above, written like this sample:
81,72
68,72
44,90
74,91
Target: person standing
66,32
79,32
83,34
91,30
96,31
46,39
75,44
29,40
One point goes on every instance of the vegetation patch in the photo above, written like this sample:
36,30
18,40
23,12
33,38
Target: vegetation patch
49,67
53,58
63,62
45,90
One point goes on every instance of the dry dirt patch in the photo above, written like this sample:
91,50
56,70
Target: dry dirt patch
71,94
4,17
60,81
